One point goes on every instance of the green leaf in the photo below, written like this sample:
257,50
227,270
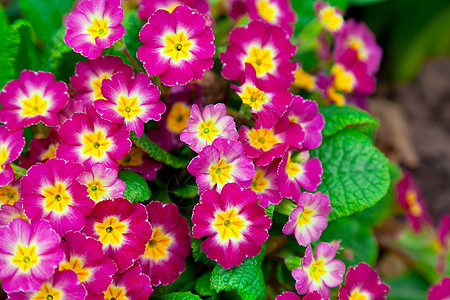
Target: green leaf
136,189
19,51
338,118
156,152
247,279
364,2
187,191
3,25
269,210
181,296
203,286
46,16
293,262
408,287
355,173
356,238
198,254
132,26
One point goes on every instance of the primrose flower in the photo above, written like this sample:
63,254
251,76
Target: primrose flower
219,163
11,145
123,229
136,160
94,25
265,184
331,17
309,218
268,105
51,191
319,274
10,194
148,7
264,144
9,212
62,285
30,254
304,80
236,226
204,127
89,76
34,97
178,46
440,290
133,100
267,48
293,296
165,253
298,170
41,149
361,282
131,284
85,257
89,139
275,12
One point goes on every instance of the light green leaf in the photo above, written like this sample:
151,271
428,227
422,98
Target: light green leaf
181,296
355,173
293,262
137,189
156,152
3,25
338,118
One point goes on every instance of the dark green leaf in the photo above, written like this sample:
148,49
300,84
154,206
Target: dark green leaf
202,286
198,254
181,296
156,152
3,25
132,26
136,189
183,283
355,173
338,118
187,191
408,287
364,2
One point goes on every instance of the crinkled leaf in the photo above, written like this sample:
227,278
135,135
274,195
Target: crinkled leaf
355,173
247,279
338,118
18,52
137,189
181,296
46,16
198,254
156,152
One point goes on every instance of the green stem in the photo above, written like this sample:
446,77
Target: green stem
122,47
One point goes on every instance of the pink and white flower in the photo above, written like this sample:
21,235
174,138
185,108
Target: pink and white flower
236,226
331,17
275,12
11,145
10,194
93,26
10,212
148,7
266,184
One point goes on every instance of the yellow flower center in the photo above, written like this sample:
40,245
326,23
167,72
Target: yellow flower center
316,270
303,218
265,11
413,205
132,159
335,96
253,97
331,19
51,152
47,293
156,247
259,183
115,293
343,79
178,117
95,144
357,296
99,28
220,172
358,45
95,190
128,107
177,46
97,84
3,156
25,257
76,265
261,60
229,224
56,197
8,195
207,130
303,80
291,167
262,138
110,231
34,106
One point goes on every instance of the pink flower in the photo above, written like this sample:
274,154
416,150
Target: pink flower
319,274
89,139
132,284
41,149
178,46
148,7
265,184
133,100
204,127
34,97
62,285
288,296
236,226
220,163
361,281
440,290
275,12
170,244
123,229
331,17
309,218
267,48
11,145
30,254
10,194
138,161
93,26
9,212
51,191
89,76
